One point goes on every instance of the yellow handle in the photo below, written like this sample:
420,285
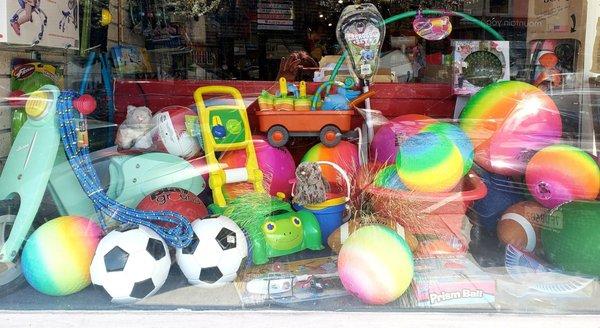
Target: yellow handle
302,89
217,120
283,91
217,89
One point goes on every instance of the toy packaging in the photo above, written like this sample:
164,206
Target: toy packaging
291,282
38,22
479,63
131,60
452,281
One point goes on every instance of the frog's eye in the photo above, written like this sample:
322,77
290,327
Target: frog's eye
269,226
296,221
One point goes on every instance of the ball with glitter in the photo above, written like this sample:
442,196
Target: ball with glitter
57,256
507,123
344,154
561,173
376,265
277,165
429,162
390,136
459,138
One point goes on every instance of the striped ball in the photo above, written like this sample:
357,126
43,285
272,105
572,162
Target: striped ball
376,265
509,121
388,178
459,138
429,162
560,173
56,258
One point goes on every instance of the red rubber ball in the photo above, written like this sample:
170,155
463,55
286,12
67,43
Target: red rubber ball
85,104
177,200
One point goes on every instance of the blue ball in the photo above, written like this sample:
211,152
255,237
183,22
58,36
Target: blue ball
502,193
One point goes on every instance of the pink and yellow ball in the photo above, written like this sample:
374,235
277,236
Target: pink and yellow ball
56,258
277,165
507,122
560,173
344,154
390,136
429,162
376,265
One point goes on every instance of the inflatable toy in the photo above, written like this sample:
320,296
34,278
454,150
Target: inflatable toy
171,135
177,200
376,265
388,178
570,238
214,261
344,154
131,265
520,225
277,165
561,173
502,192
459,138
392,134
57,256
507,123
429,162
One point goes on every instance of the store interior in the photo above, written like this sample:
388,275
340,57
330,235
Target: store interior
301,155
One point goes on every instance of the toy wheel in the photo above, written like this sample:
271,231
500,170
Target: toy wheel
11,276
278,136
330,135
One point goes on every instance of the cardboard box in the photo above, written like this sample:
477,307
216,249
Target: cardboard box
52,23
454,281
327,63
466,80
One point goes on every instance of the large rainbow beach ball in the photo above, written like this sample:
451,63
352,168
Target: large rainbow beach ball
459,138
507,123
376,265
56,258
560,173
344,154
277,165
390,136
429,162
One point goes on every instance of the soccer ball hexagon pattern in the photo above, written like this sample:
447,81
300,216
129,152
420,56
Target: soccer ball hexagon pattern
215,253
130,265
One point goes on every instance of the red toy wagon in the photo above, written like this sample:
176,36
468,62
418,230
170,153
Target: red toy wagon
328,125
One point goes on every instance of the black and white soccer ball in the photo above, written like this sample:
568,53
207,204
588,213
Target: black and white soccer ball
215,254
131,265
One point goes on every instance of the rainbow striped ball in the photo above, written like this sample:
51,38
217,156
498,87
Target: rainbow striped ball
507,123
56,258
388,178
560,173
459,138
344,154
375,264
429,162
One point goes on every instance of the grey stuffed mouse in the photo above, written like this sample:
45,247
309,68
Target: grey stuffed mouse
311,186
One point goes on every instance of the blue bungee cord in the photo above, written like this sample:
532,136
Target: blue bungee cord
179,235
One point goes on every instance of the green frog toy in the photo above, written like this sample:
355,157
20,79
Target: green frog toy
273,227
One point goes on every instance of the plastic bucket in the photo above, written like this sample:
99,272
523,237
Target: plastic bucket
330,218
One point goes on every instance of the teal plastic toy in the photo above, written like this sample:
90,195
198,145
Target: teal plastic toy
37,161
273,227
